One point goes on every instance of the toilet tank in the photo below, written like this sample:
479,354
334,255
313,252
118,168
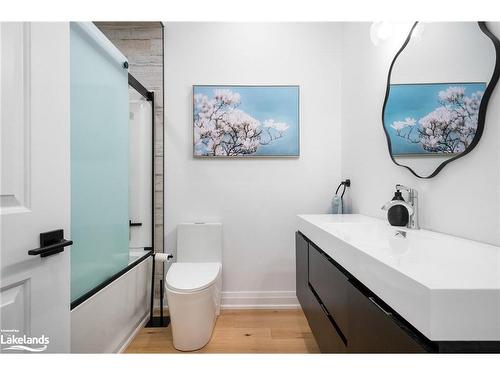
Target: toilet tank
199,242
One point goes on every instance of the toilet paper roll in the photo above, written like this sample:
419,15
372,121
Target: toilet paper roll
162,257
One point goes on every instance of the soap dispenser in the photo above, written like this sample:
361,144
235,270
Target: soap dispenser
398,214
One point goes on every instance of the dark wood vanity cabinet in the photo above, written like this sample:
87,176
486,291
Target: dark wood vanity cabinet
343,315
321,322
301,272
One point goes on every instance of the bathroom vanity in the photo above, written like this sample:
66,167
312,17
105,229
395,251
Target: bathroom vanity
367,287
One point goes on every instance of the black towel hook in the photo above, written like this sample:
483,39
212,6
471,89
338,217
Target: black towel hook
345,184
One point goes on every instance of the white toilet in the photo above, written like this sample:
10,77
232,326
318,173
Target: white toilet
194,284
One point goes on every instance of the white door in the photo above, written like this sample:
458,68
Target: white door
35,186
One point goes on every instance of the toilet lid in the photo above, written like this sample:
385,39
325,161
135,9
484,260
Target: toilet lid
191,277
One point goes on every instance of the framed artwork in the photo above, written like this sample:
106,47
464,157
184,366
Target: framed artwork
432,118
246,121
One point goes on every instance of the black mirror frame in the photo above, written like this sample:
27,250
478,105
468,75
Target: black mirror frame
482,108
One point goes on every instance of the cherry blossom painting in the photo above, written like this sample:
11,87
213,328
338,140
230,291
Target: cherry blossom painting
430,119
242,121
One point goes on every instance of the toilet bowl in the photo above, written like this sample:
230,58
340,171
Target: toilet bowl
193,285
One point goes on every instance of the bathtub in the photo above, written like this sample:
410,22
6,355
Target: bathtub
107,318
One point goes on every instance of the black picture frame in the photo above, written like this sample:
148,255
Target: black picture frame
482,108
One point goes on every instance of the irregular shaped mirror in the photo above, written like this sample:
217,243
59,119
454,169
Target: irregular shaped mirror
438,88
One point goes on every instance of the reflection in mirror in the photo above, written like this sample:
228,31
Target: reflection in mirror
438,87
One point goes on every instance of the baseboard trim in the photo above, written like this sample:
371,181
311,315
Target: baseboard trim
134,333
250,300
260,300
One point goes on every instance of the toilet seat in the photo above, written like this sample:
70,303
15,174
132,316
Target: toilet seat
192,277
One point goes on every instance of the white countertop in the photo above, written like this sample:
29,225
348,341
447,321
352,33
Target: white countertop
446,287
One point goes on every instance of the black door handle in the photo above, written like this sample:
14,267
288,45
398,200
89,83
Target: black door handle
134,224
51,243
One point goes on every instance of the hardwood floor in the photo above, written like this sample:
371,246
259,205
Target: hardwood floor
240,331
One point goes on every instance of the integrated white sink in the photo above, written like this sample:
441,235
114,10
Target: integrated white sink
445,286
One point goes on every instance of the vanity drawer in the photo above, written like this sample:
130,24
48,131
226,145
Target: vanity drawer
323,329
330,284
375,329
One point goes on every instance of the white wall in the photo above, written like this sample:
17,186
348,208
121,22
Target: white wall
255,199
462,200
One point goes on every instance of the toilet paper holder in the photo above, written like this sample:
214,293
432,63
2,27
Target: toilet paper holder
158,321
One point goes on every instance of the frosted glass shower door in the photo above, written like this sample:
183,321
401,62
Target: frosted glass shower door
99,159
